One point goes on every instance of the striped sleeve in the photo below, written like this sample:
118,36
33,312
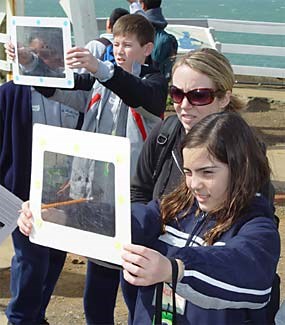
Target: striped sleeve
238,274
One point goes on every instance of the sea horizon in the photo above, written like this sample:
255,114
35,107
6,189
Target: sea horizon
252,10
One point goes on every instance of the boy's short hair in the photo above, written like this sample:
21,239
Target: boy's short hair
116,14
151,4
136,25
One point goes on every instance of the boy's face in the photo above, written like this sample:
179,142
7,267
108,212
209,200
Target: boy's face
128,50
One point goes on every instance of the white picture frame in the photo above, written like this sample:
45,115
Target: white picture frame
87,145
43,42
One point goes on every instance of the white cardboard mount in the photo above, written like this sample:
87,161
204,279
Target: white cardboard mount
89,145
34,23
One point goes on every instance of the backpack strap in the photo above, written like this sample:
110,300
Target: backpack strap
105,42
164,142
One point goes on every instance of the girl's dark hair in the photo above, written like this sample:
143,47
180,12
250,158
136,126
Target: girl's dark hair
230,140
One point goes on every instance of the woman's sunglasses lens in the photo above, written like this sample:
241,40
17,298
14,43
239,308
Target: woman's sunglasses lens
200,97
176,95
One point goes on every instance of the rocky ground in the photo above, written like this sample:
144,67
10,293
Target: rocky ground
65,308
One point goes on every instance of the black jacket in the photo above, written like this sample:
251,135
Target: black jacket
145,186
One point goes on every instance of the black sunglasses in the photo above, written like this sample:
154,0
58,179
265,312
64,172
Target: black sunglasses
197,97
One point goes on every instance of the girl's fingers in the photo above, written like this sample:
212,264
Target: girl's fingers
134,258
25,226
134,280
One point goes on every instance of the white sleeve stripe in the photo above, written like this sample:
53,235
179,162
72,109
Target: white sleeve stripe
176,232
208,302
225,286
172,240
178,242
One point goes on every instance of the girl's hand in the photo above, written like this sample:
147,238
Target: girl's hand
25,219
79,57
144,266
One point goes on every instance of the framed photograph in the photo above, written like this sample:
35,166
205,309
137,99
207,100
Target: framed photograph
80,192
40,46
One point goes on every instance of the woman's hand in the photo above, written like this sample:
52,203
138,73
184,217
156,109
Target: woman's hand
144,266
25,219
79,57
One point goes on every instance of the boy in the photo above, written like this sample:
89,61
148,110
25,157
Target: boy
127,99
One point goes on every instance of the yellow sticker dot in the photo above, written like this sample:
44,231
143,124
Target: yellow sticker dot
118,246
120,159
121,200
37,184
38,223
43,142
76,148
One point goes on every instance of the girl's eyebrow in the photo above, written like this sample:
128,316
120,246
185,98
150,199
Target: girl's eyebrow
200,169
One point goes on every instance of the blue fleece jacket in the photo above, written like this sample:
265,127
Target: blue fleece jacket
226,283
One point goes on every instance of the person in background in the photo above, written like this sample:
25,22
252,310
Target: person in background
127,99
135,6
151,9
34,269
165,44
99,46
215,233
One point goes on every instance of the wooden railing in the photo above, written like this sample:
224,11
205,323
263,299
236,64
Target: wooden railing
248,27
231,26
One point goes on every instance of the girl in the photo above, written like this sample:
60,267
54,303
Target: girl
218,228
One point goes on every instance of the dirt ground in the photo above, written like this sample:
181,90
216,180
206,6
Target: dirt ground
66,308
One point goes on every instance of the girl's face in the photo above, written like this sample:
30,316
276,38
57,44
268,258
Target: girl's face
188,79
207,177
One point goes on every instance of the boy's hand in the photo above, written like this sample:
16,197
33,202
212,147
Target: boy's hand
144,266
79,57
25,219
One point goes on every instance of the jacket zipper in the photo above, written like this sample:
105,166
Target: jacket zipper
197,228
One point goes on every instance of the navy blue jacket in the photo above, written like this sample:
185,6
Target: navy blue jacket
16,138
226,283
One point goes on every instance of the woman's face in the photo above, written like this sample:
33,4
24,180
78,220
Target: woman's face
207,178
188,79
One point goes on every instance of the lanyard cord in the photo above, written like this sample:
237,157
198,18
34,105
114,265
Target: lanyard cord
158,297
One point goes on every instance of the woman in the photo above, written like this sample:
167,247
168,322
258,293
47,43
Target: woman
215,225
202,83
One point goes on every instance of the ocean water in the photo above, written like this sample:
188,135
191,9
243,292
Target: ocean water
255,10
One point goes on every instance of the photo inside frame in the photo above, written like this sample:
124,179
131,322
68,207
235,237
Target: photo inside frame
40,51
79,193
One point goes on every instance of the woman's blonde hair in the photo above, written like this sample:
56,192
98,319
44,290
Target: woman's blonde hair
218,68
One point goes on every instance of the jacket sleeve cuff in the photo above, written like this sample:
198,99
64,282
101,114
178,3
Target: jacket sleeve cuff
105,71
